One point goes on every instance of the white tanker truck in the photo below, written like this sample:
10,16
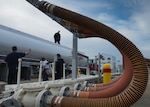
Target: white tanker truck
40,48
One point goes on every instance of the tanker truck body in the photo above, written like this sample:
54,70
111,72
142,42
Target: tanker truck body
39,48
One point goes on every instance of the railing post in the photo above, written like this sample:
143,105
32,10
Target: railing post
19,71
40,72
64,72
53,72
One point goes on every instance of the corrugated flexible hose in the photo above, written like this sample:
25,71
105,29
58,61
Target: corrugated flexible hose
125,91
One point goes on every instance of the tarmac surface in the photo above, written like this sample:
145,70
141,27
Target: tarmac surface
144,101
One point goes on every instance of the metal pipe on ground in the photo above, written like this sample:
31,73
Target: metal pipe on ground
134,81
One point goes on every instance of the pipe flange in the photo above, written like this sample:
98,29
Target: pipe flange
85,84
65,91
77,86
9,102
42,98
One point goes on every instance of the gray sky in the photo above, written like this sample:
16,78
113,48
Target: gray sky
128,17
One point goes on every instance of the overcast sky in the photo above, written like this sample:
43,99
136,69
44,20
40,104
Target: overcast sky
128,17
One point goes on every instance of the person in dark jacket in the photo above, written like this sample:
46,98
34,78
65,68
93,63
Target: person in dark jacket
59,67
57,37
12,64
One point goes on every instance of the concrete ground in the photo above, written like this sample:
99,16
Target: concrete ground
144,101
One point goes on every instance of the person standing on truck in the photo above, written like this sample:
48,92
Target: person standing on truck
57,37
12,64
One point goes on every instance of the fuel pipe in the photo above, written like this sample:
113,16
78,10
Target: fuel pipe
132,84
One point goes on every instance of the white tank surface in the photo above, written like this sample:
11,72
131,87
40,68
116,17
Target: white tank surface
39,47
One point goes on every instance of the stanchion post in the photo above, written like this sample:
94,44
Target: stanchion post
19,71
64,72
40,72
53,72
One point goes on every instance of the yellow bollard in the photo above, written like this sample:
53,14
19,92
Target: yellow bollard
79,71
106,73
